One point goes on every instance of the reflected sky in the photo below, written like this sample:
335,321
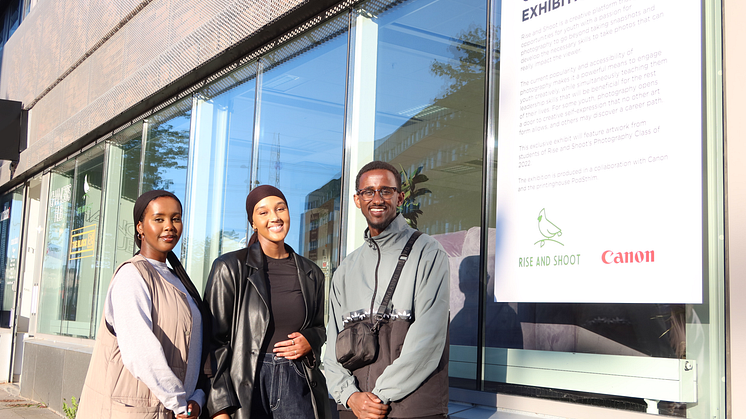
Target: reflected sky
411,38
301,124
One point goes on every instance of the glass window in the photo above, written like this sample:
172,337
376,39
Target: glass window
118,229
57,241
32,254
301,121
417,102
220,161
11,217
80,279
13,13
70,263
167,151
27,6
3,38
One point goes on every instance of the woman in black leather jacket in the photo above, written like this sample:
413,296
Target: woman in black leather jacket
267,305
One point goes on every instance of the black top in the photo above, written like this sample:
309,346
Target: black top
285,301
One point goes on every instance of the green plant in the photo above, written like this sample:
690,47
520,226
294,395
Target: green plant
72,410
409,209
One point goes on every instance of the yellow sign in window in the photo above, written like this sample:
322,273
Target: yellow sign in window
83,242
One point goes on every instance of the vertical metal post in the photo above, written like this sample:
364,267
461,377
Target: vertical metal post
488,169
19,279
143,144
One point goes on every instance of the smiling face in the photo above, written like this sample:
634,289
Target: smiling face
271,220
378,212
160,228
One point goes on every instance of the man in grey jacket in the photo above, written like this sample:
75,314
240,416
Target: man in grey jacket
409,378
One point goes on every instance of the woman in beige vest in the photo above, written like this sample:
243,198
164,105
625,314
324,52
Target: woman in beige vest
147,357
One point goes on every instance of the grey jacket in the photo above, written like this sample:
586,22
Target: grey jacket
411,372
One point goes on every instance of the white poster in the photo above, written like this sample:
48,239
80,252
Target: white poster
599,186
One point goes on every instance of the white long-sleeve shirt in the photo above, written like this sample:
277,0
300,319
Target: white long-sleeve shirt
127,310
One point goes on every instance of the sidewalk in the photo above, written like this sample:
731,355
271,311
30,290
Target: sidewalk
13,406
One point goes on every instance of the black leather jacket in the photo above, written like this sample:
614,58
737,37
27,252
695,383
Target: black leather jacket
236,294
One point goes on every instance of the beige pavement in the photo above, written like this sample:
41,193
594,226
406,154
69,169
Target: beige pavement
13,406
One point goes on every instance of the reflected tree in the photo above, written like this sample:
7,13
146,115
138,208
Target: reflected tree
168,149
468,64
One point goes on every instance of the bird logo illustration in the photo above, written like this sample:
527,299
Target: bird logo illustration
547,229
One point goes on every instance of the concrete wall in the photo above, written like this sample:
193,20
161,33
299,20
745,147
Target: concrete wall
6,338
53,371
77,64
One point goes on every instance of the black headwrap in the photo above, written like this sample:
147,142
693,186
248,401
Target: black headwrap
256,195
137,213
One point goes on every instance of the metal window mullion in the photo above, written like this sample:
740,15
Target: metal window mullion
256,134
487,194
99,240
37,280
19,280
196,97
344,198
143,144
70,225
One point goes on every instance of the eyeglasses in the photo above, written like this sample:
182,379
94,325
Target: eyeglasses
386,192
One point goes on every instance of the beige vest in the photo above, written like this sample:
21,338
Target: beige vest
110,391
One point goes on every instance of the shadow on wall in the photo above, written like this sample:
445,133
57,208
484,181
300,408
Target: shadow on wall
504,329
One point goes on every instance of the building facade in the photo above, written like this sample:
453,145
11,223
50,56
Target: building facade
209,99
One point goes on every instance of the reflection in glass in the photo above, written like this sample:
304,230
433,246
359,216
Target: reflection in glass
11,217
59,213
70,263
219,171
300,140
80,275
430,105
167,151
118,229
13,16
429,78
32,254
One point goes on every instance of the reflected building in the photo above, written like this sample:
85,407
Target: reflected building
452,164
444,133
320,235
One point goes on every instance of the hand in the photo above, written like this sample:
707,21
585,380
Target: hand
192,410
367,405
296,347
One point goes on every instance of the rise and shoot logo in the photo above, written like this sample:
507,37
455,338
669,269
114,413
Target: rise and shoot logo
548,229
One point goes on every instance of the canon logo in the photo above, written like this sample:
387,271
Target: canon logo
609,257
